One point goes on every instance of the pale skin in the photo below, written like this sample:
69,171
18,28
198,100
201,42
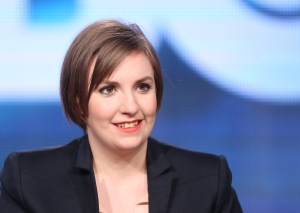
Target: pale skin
121,116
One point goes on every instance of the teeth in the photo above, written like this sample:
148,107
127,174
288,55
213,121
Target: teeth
128,125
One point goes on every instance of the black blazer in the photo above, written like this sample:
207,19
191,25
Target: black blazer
61,180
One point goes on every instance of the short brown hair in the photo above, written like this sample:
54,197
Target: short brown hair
108,42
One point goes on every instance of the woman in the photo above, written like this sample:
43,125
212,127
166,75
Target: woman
111,86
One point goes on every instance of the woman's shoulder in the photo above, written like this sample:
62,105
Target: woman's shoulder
192,163
44,159
198,174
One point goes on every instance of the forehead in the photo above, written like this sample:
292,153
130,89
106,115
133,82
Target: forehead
134,66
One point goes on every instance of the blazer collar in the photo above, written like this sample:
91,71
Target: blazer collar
84,160
157,162
161,178
161,175
84,164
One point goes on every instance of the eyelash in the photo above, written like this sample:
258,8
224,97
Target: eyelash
104,89
141,87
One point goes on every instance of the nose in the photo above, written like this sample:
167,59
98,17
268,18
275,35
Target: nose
129,104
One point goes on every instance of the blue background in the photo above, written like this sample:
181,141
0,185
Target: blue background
260,137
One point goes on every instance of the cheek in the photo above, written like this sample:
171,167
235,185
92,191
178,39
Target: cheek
100,110
149,106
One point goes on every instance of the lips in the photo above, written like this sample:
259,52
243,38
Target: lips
126,125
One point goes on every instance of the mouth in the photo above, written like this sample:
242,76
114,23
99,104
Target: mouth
127,125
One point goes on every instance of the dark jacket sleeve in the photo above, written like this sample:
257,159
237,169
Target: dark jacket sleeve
227,201
11,200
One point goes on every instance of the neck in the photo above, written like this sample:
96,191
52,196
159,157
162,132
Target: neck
124,164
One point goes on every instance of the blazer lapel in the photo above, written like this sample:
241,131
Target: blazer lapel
84,165
161,179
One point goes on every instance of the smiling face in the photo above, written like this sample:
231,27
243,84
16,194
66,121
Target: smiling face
122,110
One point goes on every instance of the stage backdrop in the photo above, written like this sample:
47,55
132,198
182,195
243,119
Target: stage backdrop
231,72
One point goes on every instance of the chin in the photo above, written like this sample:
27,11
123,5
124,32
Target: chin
131,144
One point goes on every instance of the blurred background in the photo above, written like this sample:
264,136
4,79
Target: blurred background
231,72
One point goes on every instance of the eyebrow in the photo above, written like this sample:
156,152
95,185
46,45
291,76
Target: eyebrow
138,81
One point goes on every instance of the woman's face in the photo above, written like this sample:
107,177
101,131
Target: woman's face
121,112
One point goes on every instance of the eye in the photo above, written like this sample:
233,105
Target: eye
107,90
143,87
